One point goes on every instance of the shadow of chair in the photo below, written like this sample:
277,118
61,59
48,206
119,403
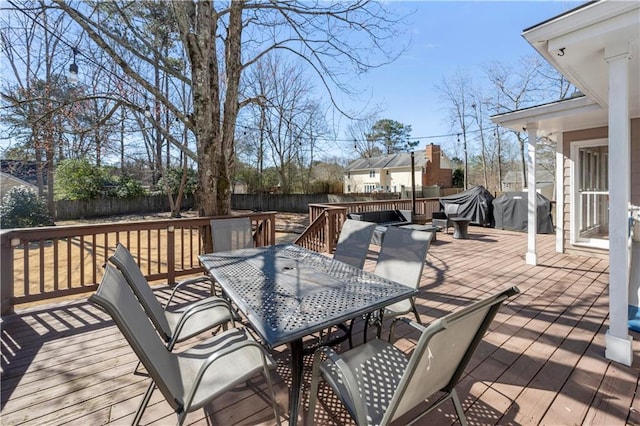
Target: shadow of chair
379,384
442,219
190,379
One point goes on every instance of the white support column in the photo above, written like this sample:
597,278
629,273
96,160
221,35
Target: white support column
618,342
532,205
559,193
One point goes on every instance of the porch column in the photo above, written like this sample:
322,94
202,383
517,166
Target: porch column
618,342
532,205
559,193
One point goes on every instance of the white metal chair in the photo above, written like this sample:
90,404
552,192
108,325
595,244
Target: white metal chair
191,379
353,243
379,384
173,326
401,259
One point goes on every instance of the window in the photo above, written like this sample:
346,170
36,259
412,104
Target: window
372,173
590,214
348,188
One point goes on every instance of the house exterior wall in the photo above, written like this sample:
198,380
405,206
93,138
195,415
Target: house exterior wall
402,177
361,181
385,180
591,134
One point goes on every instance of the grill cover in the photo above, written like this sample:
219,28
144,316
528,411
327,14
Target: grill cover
474,204
510,212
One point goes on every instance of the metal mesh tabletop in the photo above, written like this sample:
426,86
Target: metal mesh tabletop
287,291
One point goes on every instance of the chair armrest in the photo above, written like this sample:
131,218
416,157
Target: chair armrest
419,327
197,308
187,281
217,355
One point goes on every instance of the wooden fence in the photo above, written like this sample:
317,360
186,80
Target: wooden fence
51,262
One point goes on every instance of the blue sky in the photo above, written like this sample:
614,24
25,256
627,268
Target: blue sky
448,36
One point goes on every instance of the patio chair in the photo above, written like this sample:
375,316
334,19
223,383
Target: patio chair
443,219
188,380
379,384
401,259
173,326
353,242
231,234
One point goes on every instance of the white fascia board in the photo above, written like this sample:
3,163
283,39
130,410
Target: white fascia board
515,120
578,20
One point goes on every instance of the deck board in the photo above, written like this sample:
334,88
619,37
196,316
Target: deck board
541,361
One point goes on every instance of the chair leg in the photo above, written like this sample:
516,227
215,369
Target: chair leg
136,372
313,391
366,327
143,404
274,404
378,322
351,333
415,311
458,407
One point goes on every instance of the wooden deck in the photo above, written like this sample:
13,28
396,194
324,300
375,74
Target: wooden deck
541,361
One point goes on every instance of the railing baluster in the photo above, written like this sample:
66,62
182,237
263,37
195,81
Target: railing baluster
42,269
82,260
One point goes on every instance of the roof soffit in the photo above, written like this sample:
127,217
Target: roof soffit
575,45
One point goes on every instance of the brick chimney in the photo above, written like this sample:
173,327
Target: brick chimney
434,175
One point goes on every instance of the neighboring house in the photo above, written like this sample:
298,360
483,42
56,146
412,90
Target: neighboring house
392,173
514,181
239,187
7,182
596,47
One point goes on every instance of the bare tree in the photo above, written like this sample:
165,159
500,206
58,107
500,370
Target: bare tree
478,116
222,40
456,92
516,88
37,98
359,130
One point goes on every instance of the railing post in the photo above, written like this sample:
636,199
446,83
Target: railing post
272,228
6,278
330,228
171,255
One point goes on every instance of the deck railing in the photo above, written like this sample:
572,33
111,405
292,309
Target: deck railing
326,219
322,233
50,262
424,206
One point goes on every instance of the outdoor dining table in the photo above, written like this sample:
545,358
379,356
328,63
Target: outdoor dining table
288,292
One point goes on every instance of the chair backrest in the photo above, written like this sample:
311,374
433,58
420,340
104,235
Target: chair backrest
231,234
115,296
127,265
451,210
402,255
353,242
443,352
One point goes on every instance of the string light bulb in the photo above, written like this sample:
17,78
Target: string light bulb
73,69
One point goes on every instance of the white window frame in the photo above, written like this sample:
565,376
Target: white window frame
574,232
